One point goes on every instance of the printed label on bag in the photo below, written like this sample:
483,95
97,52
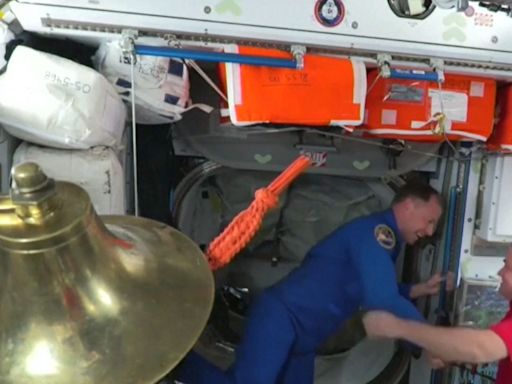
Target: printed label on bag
318,159
454,104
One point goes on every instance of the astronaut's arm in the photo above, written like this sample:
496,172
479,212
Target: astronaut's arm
378,281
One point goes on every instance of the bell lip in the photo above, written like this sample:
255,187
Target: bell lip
167,359
127,221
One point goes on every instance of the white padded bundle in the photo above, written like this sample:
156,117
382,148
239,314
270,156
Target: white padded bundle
52,101
162,84
97,170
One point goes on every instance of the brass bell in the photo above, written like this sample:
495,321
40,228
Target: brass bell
84,300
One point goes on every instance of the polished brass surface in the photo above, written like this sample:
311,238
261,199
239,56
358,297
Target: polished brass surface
29,177
84,300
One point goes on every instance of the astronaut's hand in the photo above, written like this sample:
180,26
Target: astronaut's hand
433,285
381,324
435,362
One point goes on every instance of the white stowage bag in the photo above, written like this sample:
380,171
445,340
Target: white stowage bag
97,170
52,101
162,90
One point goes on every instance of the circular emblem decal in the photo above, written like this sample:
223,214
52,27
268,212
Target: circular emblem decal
385,236
329,12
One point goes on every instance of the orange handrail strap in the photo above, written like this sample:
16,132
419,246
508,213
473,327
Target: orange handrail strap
244,226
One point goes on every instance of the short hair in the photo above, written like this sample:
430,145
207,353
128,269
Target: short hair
418,190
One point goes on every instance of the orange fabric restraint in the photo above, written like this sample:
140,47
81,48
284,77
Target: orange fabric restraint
410,109
501,138
327,91
245,225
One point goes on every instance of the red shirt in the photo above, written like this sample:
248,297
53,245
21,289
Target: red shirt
504,330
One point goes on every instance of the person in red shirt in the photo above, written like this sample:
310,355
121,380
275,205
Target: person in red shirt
457,344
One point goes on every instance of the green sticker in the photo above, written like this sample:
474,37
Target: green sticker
263,159
455,18
229,6
455,23
454,33
361,165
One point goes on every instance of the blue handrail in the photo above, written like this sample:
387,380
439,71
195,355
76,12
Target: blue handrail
464,197
414,75
448,244
452,207
218,57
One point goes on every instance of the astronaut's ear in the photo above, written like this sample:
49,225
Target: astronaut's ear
409,204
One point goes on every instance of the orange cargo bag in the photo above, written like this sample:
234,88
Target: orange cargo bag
501,138
328,91
414,110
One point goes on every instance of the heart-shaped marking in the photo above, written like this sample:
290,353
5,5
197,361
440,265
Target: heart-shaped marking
229,6
361,165
455,18
263,159
454,33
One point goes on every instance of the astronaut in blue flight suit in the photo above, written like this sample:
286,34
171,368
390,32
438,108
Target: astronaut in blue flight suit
351,269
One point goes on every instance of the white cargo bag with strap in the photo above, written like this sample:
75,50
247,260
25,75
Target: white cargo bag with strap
162,86
48,100
97,170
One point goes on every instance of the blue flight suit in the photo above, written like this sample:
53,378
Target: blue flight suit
353,268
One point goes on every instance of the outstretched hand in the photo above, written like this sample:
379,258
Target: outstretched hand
435,362
381,324
433,285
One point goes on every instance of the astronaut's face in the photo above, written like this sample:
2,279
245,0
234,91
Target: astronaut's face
505,274
421,219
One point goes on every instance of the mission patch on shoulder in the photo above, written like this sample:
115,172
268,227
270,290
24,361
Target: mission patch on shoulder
385,236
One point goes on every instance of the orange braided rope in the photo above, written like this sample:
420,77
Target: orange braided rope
244,226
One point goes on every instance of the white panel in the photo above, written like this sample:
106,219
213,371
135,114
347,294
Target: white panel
369,26
496,206
504,204
472,265
488,200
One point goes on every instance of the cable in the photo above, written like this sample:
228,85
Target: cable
378,144
443,130
134,136
206,78
379,75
